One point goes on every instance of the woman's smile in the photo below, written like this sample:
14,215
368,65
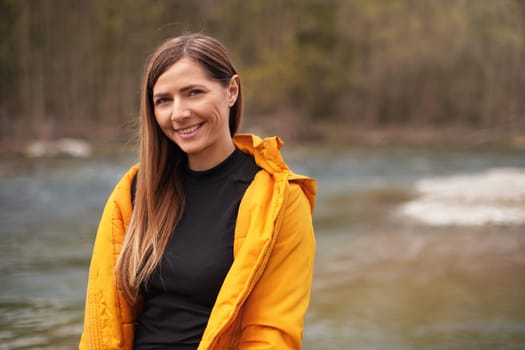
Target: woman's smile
189,131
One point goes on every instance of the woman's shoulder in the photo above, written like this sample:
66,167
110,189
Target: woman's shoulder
267,155
127,179
306,185
122,192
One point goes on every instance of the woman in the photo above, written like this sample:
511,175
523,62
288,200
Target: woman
207,243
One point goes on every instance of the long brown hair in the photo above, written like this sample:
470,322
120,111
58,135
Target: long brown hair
159,198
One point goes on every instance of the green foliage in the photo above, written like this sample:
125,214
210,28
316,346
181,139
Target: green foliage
66,65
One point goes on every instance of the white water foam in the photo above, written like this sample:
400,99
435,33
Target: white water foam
496,196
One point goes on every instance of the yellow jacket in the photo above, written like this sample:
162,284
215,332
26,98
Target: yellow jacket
265,295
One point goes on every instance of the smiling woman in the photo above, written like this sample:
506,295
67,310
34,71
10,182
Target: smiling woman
208,243
193,110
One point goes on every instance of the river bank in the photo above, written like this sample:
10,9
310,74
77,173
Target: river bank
458,137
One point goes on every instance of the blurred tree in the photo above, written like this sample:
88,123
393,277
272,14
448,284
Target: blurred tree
68,67
323,57
433,63
9,12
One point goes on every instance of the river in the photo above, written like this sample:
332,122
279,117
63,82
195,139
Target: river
416,248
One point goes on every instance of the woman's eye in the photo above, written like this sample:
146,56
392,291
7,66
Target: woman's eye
161,100
195,92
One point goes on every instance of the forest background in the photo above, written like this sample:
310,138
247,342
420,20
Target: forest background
372,71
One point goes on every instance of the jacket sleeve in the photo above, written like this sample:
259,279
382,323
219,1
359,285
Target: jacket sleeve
275,310
107,318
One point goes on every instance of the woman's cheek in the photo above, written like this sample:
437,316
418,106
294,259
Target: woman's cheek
162,117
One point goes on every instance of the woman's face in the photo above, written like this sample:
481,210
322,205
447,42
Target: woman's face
193,111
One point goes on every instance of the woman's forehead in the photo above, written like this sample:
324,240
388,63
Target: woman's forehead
185,71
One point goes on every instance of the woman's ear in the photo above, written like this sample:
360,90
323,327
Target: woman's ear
233,90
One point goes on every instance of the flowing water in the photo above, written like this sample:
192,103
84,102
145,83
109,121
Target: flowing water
416,249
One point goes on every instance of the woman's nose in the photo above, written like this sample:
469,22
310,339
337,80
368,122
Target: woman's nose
180,111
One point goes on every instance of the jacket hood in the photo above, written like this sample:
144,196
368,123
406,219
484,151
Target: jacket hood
267,155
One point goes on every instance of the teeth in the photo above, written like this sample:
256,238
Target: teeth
189,130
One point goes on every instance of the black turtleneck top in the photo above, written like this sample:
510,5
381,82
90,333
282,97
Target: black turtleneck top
181,292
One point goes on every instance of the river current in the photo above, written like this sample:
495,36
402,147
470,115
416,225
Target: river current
416,249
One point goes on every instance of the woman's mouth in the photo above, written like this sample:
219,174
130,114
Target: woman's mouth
190,131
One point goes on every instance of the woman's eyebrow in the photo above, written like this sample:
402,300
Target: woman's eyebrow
190,87
160,94
182,89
